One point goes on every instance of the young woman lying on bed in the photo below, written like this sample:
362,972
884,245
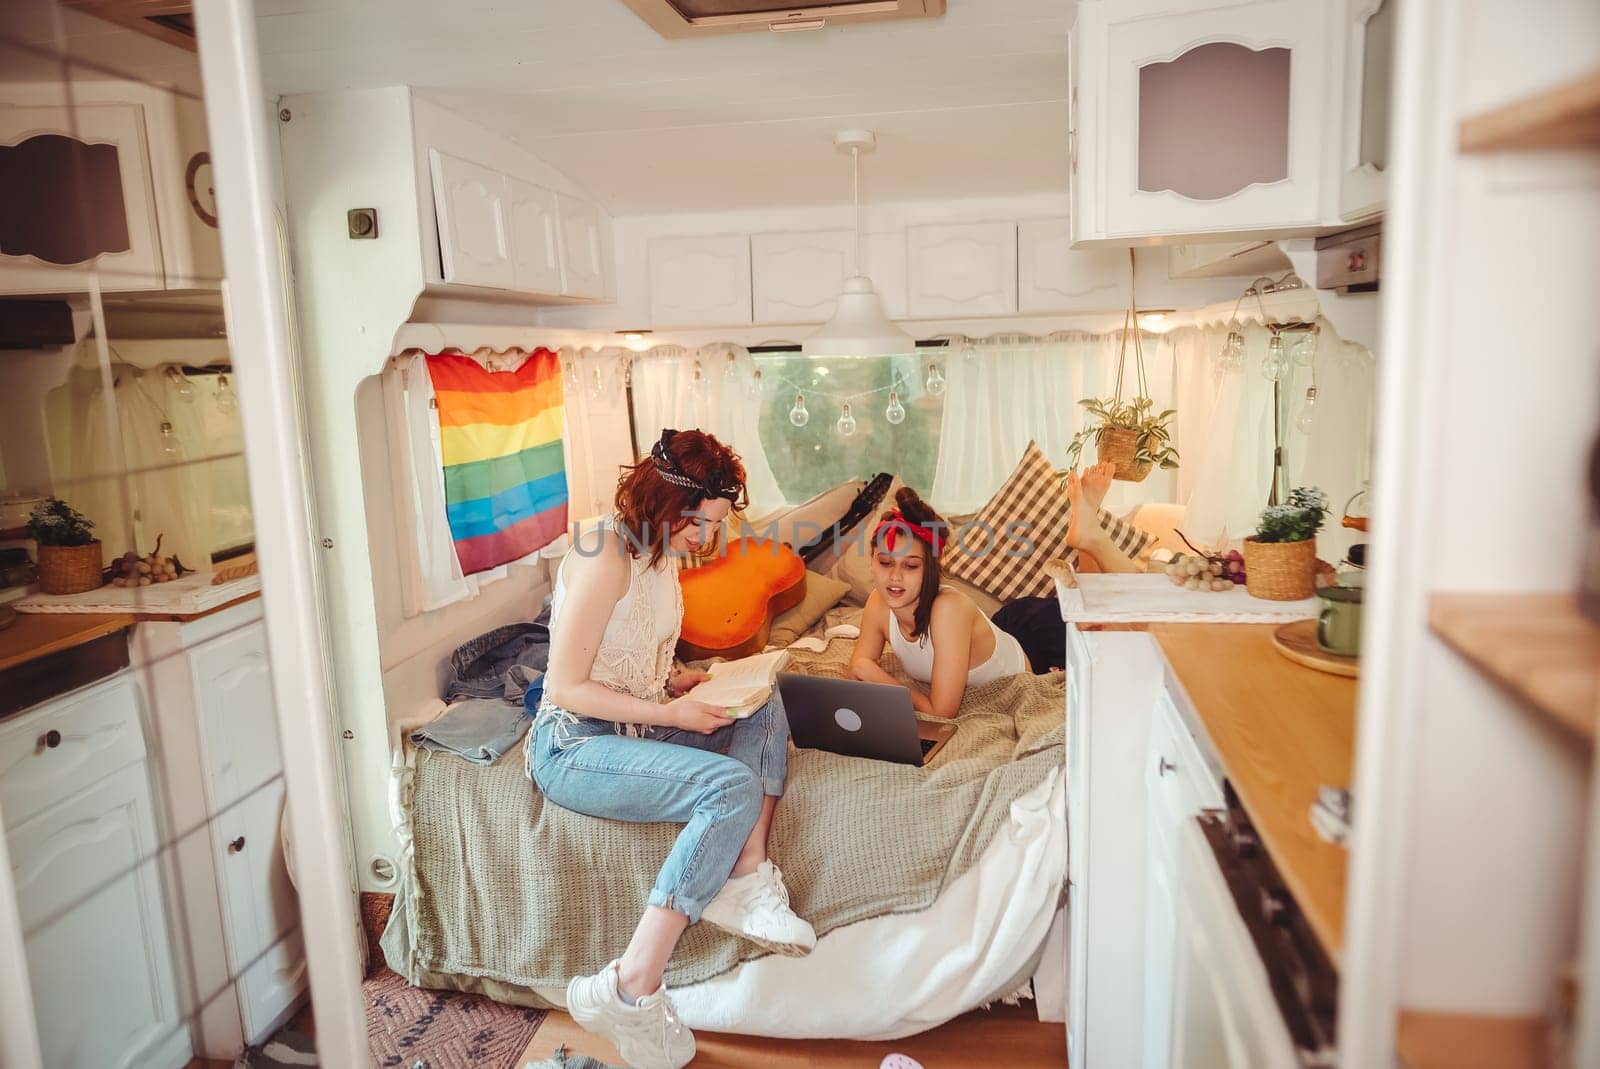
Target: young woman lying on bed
942,639
606,743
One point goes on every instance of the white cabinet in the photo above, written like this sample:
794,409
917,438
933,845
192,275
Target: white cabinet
1193,117
89,895
535,238
261,909
961,269
474,224
1052,276
1368,63
700,282
585,258
79,185
796,278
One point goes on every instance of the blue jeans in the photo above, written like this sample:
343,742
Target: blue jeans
713,784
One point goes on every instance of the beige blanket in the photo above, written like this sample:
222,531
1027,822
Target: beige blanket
506,894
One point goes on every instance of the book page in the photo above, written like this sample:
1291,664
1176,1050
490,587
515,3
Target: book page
741,686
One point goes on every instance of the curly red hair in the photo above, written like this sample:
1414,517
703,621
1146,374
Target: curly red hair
649,509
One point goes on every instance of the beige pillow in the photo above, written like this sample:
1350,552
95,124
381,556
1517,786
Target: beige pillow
801,523
822,594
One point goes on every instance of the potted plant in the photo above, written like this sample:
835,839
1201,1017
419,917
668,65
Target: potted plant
1128,435
69,553
1280,559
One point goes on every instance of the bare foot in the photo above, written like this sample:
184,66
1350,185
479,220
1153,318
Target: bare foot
1096,481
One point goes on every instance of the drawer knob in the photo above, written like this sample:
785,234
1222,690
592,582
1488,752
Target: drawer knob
236,846
50,740
1163,766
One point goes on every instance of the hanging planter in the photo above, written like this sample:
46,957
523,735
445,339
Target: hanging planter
1126,432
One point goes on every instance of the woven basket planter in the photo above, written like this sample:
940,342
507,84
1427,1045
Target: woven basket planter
1120,445
69,569
1280,571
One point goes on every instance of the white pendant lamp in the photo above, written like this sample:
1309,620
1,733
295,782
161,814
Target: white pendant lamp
859,326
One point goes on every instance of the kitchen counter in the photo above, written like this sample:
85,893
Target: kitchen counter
1280,730
36,635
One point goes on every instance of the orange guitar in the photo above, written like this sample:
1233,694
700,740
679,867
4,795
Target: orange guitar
728,604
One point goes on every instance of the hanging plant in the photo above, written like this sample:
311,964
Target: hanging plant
1127,432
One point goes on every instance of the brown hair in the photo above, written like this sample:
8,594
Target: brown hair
917,511
650,509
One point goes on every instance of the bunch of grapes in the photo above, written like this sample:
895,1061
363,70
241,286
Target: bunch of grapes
130,569
1196,572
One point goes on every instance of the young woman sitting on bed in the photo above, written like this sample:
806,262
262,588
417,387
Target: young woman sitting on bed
608,743
943,640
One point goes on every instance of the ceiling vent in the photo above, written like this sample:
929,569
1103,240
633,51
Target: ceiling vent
702,18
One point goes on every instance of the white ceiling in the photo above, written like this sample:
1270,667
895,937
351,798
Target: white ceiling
42,41
971,104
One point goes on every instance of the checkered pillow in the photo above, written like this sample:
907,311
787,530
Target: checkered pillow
1003,548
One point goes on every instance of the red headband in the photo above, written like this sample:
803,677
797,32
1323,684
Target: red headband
894,522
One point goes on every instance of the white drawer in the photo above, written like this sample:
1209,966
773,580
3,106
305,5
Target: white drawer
1178,783
52,752
259,903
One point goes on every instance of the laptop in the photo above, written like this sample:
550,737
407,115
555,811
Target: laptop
856,719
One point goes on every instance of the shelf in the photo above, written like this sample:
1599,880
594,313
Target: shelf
1566,116
1469,1041
1536,646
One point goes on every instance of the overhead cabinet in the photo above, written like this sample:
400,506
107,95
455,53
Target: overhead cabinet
116,186
1194,118
961,269
796,277
700,282
1052,276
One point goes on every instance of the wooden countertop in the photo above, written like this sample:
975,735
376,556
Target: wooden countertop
1281,731
35,635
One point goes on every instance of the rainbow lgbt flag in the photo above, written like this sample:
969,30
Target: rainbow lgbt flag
505,483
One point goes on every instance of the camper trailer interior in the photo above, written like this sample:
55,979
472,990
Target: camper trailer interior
433,432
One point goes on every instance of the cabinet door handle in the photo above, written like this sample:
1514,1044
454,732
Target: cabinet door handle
50,740
236,846
1163,766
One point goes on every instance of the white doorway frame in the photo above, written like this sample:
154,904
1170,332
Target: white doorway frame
256,300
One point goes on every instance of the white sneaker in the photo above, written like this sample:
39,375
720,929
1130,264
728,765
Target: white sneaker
756,907
648,1035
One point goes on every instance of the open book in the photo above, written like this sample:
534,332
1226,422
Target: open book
741,686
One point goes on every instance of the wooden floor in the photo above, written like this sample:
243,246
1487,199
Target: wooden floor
1010,1036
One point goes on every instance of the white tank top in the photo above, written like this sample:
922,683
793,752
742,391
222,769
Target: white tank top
916,657
635,653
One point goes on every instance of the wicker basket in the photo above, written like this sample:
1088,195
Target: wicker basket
1280,571
69,569
1120,445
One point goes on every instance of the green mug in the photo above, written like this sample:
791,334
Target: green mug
1339,622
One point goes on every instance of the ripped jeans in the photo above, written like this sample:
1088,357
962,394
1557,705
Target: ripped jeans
713,784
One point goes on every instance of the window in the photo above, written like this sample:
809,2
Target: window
807,460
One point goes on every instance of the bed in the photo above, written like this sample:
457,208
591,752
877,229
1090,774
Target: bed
933,891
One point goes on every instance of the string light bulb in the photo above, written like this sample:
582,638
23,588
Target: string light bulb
896,412
935,381
1306,417
730,369
170,449
753,389
569,375
1306,352
180,385
597,386
847,423
798,414
1231,358
1275,363
697,381
227,400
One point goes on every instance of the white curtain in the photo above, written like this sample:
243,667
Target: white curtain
1005,391
1227,477
137,483
667,394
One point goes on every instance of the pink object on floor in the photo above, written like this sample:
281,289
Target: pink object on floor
899,1061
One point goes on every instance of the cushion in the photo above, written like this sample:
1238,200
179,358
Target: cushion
853,563
822,594
800,523
1023,524
1160,522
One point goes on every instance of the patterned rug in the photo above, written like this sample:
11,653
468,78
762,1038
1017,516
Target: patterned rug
413,1028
